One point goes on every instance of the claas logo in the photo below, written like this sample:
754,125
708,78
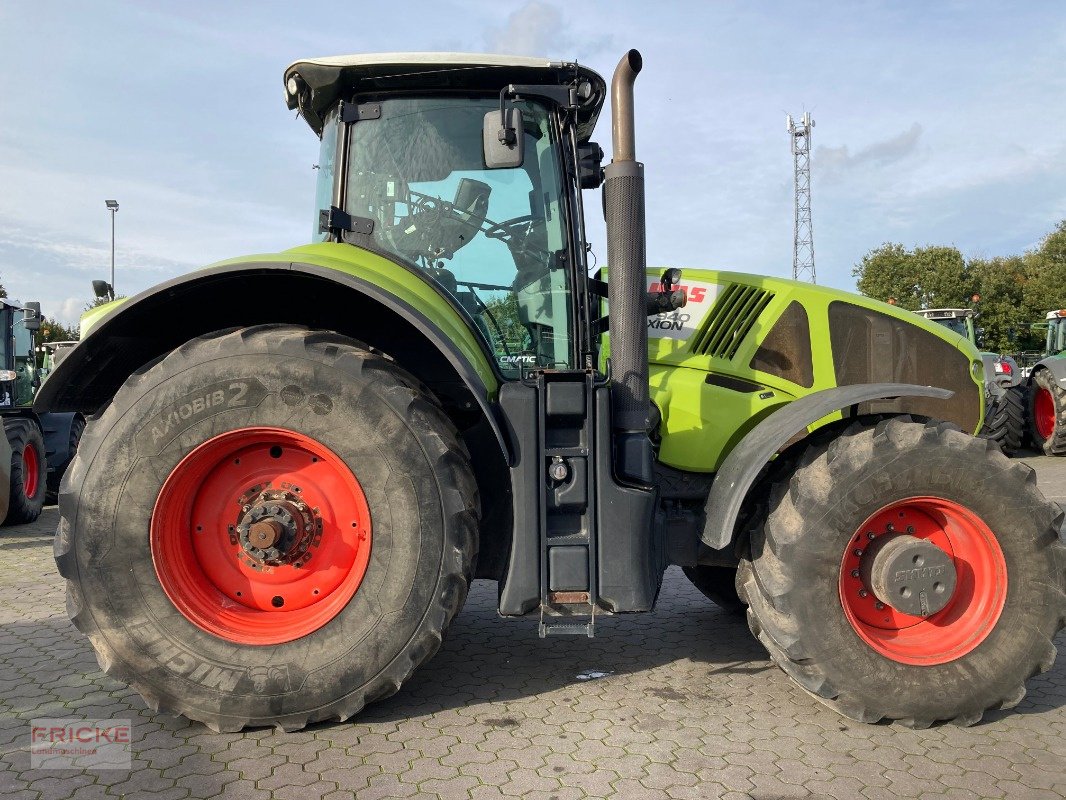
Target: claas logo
695,294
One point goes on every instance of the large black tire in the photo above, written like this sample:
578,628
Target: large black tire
23,434
1047,413
792,581
1006,424
55,477
718,584
387,429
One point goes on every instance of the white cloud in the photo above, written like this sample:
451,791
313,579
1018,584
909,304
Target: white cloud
532,30
833,160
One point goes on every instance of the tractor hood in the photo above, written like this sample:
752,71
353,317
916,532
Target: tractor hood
313,85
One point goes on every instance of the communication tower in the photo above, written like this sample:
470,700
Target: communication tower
803,241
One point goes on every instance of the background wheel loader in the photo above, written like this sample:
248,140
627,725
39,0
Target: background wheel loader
280,501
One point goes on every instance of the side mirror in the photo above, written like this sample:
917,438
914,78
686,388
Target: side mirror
667,298
979,335
32,316
103,291
503,139
589,169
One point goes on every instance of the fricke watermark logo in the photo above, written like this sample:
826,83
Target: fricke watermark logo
80,744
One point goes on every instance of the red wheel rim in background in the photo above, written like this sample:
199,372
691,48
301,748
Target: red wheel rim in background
31,468
1044,413
199,563
975,606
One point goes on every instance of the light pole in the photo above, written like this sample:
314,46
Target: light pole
112,206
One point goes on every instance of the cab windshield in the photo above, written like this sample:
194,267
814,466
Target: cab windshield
956,324
1056,336
495,240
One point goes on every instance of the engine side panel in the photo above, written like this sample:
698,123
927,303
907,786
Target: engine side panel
746,345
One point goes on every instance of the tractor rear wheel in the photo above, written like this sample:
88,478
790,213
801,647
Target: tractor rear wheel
29,471
1047,413
718,584
908,571
1006,424
270,526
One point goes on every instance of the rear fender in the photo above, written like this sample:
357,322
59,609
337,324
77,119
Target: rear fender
742,466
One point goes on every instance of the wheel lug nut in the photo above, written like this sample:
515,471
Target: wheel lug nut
858,553
879,606
854,573
870,534
863,593
910,529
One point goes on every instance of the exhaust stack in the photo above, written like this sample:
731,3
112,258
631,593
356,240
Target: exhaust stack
627,286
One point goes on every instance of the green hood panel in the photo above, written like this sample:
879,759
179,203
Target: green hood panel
745,345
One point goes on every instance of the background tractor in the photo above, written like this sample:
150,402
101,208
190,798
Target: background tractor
280,501
1005,394
40,445
1047,389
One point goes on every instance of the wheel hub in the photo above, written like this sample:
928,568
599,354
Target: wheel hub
275,528
911,575
923,580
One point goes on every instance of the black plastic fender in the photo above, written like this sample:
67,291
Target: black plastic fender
744,463
56,430
1056,365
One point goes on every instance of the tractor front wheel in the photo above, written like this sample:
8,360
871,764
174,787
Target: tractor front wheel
1047,413
908,571
29,470
271,526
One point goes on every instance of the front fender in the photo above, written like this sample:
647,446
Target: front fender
742,466
1056,365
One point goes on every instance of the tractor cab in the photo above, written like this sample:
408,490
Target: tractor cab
18,374
1055,342
958,320
407,169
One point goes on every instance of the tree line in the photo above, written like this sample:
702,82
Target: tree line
1009,293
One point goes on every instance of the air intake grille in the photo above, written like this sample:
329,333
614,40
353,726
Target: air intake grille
730,320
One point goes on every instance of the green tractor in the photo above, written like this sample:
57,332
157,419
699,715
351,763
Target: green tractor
1005,394
281,500
36,448
1047,389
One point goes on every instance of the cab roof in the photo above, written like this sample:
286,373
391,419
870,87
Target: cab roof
946,313
327,80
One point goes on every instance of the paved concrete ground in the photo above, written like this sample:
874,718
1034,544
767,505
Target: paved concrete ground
680,703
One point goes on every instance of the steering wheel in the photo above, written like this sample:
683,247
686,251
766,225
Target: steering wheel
510,229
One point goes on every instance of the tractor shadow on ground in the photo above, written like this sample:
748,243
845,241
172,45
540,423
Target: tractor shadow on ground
486,659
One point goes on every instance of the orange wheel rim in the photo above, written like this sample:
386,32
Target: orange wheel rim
261,536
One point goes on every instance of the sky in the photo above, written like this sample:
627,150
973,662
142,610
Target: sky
935,123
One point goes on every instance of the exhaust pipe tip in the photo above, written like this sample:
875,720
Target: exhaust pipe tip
634,60
622,113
